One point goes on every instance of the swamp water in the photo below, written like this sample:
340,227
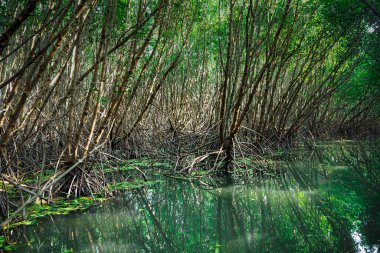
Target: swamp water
322,200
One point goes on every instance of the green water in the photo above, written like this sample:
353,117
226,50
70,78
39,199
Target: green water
319,200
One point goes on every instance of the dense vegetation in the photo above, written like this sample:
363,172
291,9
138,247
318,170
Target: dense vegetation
82,82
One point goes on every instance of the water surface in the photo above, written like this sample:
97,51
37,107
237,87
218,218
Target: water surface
318,200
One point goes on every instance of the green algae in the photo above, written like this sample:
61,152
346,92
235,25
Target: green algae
132,185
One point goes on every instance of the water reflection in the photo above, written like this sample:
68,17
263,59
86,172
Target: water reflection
327,202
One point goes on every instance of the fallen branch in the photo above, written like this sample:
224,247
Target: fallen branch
21,187
47,186
198,160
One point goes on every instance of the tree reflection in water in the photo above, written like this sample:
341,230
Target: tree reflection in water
327,203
